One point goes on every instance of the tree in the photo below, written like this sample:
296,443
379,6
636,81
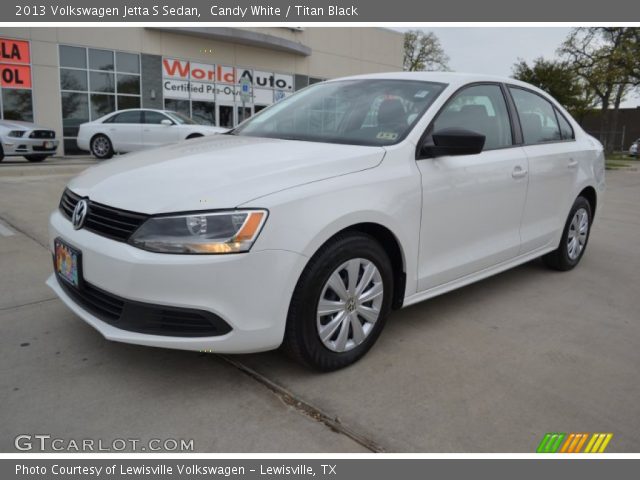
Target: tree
423,51
606,59
559,80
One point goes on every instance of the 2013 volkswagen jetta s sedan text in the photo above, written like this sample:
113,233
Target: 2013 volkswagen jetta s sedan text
306,225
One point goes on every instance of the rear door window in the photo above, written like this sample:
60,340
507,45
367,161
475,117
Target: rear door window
537,117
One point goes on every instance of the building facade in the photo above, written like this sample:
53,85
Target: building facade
61,77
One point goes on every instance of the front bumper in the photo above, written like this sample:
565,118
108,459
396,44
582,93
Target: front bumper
18,146
250,292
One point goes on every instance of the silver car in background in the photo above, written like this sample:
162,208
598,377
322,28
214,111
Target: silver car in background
28,140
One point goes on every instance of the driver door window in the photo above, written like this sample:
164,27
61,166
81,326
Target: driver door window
480,109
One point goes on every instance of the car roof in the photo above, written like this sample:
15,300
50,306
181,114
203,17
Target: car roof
454,79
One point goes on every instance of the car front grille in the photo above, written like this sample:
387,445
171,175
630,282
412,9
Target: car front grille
103,220
146,318
42,134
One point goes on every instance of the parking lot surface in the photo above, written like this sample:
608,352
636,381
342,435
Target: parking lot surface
488,368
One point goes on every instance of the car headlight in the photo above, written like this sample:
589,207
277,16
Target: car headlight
16,133
201,233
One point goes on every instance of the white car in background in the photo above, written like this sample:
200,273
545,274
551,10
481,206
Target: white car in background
138,129
310,222
633,149
26,139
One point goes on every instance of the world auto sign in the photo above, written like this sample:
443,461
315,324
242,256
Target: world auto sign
183,79
15,63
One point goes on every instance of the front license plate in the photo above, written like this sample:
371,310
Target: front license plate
48,145
67,263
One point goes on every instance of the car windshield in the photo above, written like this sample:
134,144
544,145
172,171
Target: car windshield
373,112
182,119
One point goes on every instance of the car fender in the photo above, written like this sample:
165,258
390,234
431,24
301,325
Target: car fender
387,195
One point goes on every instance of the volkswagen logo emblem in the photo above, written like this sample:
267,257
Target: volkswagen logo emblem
80,214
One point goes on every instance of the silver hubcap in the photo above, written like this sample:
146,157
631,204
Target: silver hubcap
100,146
577,235
349,305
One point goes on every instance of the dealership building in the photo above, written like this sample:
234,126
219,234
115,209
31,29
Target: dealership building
61,77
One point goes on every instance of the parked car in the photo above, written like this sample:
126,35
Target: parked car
310,222
26,139
137,129
633,149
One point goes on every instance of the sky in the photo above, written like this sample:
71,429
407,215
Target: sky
494,50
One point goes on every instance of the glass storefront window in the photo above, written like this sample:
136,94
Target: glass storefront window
204,112
75,57
226,116
100,59
129,84
110,79
75,110
127,62
17,105
102,104
180,106
243,113
126,101
102,82
73,80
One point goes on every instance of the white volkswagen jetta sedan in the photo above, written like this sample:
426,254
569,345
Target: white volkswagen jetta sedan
138,129
309,223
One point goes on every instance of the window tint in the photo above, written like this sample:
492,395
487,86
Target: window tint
565,127
154,117
537,117
134,116
481,109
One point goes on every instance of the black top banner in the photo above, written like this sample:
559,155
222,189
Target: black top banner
303,11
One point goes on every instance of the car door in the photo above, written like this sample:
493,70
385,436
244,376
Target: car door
125,130
550,146
156,133
472,204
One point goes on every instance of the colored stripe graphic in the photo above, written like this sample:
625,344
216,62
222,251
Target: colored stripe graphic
550,443
573,442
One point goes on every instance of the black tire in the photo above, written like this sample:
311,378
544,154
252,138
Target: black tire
36,158
560,259
99,149
1,153
301,340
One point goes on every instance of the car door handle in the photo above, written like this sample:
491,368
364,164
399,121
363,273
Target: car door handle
519,172
572,163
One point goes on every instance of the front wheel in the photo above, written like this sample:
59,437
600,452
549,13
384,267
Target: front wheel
574,238
101,147
340,303
36,158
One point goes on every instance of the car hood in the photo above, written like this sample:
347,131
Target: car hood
220,171
19,125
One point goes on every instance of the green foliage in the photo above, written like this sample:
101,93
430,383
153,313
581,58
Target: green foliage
423,51
558,79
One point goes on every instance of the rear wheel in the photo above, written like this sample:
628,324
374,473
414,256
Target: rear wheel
340,304
35,158
574,238
101,147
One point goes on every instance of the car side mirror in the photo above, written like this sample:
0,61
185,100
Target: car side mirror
166,122
453,141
